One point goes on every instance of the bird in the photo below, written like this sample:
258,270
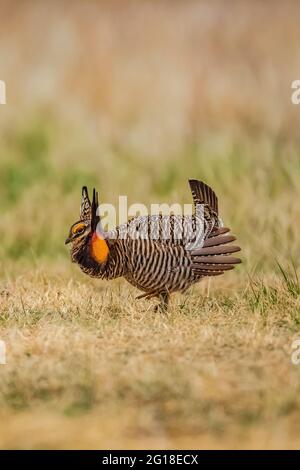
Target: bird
158,254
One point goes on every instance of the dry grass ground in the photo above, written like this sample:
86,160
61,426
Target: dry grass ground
136,97
88,366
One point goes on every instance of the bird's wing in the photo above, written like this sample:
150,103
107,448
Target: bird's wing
203,194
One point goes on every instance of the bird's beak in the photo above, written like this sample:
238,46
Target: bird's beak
68,240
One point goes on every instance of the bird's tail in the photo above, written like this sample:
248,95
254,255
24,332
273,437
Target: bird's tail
214,256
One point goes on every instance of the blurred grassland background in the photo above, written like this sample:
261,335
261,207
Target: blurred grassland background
135,97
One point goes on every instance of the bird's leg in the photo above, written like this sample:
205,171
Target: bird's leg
147,296
164,302
163,297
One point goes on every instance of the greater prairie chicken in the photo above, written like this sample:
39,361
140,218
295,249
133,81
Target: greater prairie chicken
157,254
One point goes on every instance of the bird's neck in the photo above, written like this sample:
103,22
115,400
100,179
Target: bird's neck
98,257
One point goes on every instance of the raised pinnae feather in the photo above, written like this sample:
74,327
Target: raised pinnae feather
95,216
85,208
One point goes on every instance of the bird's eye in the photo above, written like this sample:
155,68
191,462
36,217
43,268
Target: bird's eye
78,229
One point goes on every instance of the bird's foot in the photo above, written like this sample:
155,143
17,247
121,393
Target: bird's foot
162,307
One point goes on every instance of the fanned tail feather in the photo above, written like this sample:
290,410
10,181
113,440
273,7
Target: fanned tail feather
213,258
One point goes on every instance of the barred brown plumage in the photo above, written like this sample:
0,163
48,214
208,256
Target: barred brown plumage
157,254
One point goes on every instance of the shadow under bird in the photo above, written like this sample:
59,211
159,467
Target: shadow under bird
157,254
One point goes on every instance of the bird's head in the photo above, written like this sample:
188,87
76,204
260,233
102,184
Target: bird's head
81,229
87,230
